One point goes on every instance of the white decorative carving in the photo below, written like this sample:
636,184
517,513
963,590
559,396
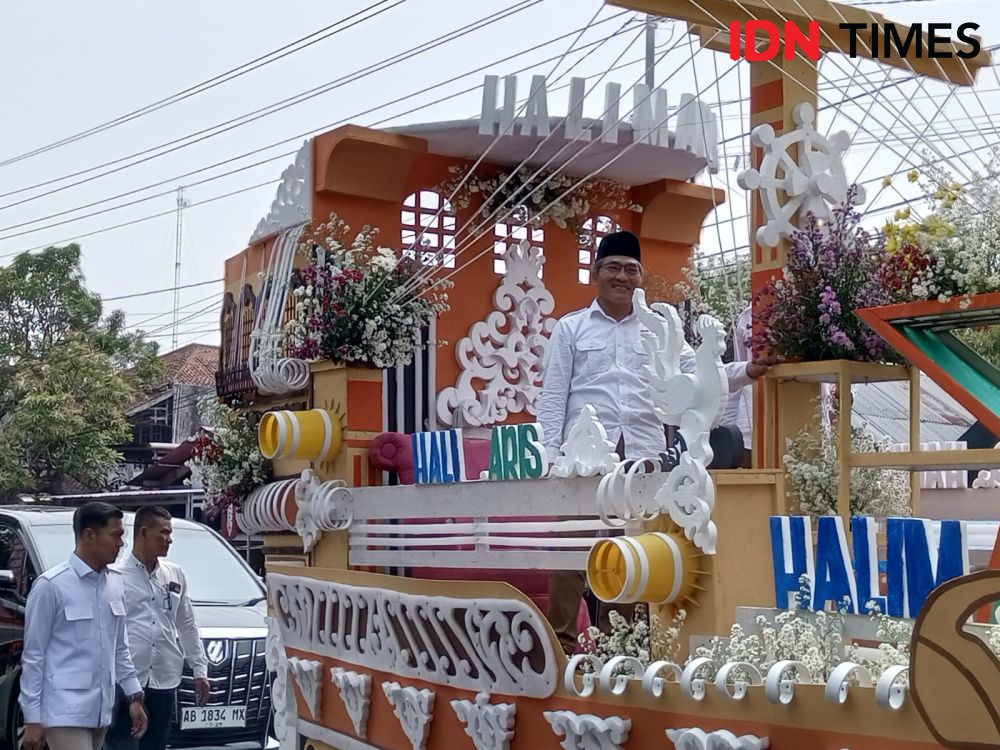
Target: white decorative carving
692,684
267,508
271,371
615,664
292,202
307,674
653,683
620,501
282,697
589,678
892,687
695,403
779,684
688,496
506,350
839,684
721,739
490,725
589,732
414,709
747,675
814,185
355,691
323,506
587,451
490,645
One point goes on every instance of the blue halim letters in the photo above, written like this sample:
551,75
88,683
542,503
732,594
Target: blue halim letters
438,457
918,560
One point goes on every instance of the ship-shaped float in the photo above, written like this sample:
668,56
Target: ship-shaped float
413,516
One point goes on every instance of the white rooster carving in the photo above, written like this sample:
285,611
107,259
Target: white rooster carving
694,402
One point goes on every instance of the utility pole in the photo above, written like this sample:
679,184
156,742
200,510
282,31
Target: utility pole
650,50
181,205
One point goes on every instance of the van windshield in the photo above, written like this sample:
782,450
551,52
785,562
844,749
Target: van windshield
214,572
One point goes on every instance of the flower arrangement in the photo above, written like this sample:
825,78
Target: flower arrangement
225,458
646,641
832,270
536,198
812,470
358,303
955,251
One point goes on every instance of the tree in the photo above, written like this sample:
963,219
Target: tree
67,375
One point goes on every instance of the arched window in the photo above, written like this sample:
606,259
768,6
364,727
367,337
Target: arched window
505,234
429,222
594,229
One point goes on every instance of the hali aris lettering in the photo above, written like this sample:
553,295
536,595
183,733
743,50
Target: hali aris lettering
879,41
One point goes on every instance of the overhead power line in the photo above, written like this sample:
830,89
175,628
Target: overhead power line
162,291
240,70
220,128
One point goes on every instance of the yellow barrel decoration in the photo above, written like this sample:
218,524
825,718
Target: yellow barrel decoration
313,435
653,568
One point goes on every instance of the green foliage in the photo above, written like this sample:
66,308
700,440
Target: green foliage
67,375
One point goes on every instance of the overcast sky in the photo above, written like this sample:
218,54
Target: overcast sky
68,66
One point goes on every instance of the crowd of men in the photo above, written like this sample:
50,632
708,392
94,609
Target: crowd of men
105,641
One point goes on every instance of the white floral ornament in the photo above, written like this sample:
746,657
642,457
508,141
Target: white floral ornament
587,451
322,506
695,402
292,202
355,691
282,696
490,725
721,739
415,710
307,674
589,732
506,350
813,185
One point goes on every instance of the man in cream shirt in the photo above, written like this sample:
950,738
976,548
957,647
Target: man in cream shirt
596,357
162,630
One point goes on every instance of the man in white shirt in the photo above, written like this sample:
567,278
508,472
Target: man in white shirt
162,630
739,408
595,356
75,643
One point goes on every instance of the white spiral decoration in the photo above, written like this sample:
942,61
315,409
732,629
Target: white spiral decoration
620,501
271,372
267,508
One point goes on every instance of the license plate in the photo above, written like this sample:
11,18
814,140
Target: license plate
213,717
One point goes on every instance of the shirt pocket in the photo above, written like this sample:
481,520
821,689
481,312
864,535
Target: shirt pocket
637,359
81,620
72,680
593,356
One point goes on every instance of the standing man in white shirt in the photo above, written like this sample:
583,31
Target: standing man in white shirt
75,643
596,357
162,630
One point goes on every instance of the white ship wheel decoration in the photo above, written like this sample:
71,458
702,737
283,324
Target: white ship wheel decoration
815,184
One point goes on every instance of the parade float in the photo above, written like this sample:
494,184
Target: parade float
411,514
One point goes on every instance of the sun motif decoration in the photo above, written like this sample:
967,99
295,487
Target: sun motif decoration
813,184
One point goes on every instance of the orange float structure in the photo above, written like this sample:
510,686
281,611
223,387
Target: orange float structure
411,615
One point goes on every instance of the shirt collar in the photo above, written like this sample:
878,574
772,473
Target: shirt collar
137,563
596,309
77,564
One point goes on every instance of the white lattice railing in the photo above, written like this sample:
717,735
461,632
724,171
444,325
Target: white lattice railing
548,524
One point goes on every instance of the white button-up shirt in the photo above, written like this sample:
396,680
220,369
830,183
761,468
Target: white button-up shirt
161,624
75,647
594,359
